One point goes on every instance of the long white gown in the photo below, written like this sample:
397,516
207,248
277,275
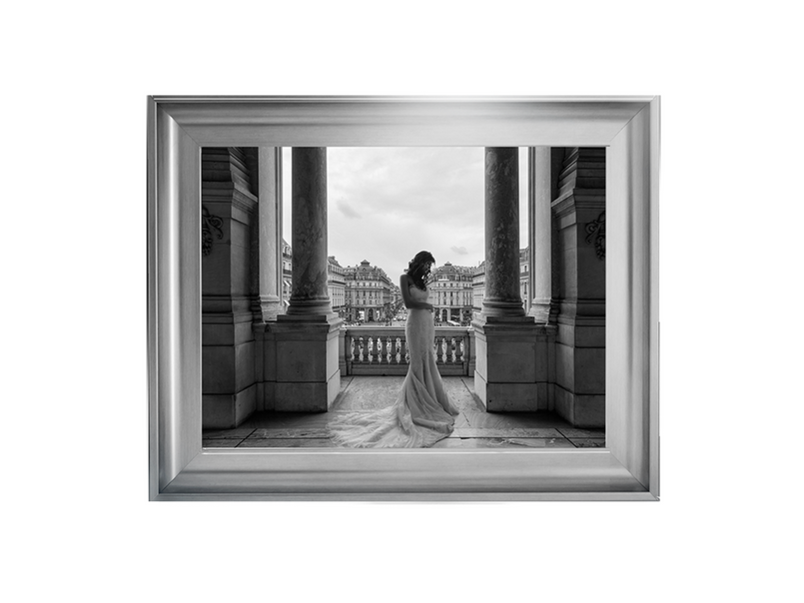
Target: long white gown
422,413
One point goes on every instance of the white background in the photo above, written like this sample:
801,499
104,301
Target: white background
77,524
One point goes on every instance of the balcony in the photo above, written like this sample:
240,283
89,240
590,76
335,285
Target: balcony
474,427
370,350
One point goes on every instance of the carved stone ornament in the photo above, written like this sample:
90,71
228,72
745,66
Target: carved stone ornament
597,230
208,224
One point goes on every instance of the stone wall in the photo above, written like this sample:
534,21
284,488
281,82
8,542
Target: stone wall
229,203
580,276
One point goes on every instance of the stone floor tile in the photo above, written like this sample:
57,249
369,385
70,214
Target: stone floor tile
503,443
365,394
369,393
506,432
482,419
220,442
539,442
238,432
289,432
574,432
287,443
290,420
588,442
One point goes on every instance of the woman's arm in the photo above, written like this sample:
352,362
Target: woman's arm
410,303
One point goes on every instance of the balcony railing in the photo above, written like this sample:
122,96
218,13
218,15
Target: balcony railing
383,350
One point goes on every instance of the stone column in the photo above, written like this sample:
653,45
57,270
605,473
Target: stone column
502,297
511,365
539,229
269,234
310,295
306,362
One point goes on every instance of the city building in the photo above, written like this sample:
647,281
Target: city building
451,294
336,284
369,294
478,288
287,273
524,277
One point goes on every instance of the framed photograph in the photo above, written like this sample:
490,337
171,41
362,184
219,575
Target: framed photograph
575,335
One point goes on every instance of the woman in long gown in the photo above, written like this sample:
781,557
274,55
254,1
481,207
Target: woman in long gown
422,413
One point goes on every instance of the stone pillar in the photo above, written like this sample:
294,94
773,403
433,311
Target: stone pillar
511,364
228,348
539,231
268,303
502,298
580,210
307,358
310,294
267,270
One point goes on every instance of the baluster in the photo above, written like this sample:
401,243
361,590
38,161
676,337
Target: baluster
438,344
384,350
458,350
405,351
359,349
450,343
393,359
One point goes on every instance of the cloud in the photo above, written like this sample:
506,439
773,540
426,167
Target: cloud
346,209
388,203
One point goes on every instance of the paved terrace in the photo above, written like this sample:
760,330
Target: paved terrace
474,427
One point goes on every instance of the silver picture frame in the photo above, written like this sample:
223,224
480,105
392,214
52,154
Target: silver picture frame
626,469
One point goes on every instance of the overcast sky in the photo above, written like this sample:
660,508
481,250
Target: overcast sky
387,204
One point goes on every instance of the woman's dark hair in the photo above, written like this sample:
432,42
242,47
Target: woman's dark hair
419,268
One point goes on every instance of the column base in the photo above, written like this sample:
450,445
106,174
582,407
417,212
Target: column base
227,411
307,361
502,309
581,410
540,311
513,364
268,308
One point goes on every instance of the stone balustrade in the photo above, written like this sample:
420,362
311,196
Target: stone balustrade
383,351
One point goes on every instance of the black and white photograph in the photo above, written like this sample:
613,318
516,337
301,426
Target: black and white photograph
382,302
499,344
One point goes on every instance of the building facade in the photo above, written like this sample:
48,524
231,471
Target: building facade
478,288
336,284
524,278
369,295
287,273
452,294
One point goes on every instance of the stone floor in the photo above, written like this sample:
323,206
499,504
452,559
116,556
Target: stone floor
474,427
